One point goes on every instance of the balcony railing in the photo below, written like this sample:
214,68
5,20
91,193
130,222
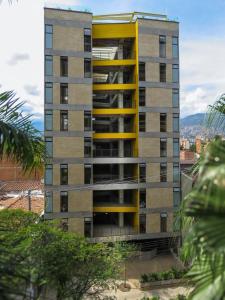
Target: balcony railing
109,55
111,153
104,177
106,79
112,230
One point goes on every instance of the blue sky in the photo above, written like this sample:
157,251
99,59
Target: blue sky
202,46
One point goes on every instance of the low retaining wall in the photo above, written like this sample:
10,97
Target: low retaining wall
162,284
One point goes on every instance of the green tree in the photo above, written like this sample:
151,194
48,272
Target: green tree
20,140
203,216
35,255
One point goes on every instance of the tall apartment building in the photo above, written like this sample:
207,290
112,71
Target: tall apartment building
112,124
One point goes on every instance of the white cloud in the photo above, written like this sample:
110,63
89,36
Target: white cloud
32,90
202,73
57,3
17,58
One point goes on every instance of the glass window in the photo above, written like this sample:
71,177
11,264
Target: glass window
176,149
64,201
48,36
162,72
48,202
163,147
142,71
87,39
142,194
163,172
64,66
163,222
48,65
48,92
48,174
142,172
63,93
87,227
175,48
87,147
176,122
163,122
49,146
162,46
87,68
175,73
87,174
64,120
142,122
142,97
175,96
142,223
176,197
87,121
64,174
48,120
176,172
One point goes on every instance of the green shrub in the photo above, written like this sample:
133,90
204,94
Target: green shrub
167,275
144,278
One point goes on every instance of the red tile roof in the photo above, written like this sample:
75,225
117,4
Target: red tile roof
37,203
23,185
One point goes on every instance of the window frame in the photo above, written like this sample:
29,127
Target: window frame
64,66
162,46
163,140
49,140
163,123
142,169
48,202
49,174
63,87
48,65
175,75
163,172
49,112
89,168
176,125
64,126
142,96
142,72
64,177
48,86
175,47
48,34
176,93
87,40
64,197
87,73
142,122
162,75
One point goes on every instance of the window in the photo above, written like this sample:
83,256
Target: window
48,174
163,222
142,198
162,46
87,68
64,66
175,98
87,227
142,172
163,122
163,172
176,122
87,39
176,197
64,174
64,120
64,93
142,97
64,224
87,121
175,47
87,147
175,73
48,92
176,149
163,147
176,172
142,222
48,202
87,174
48,146
142,122
142,71
162,72
48,120
64,201
48,36
48,65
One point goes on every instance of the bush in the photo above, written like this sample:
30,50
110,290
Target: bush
167,275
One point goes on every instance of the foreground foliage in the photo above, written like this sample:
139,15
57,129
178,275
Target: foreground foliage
35,255
203,215
166,275
19,139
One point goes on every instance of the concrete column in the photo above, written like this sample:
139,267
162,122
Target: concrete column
121,195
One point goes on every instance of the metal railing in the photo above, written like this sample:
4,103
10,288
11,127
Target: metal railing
107,230
104,177
111,153
110,55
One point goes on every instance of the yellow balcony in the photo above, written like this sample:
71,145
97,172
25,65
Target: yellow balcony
115,209
118,136
114,111
113,87
114,31
115,62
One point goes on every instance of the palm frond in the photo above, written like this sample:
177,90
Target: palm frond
215,118
19,139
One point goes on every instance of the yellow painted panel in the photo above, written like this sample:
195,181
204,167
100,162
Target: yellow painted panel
108,31
116,62
119,86
124,209
114,135
114,111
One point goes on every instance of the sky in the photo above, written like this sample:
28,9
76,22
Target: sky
202,46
